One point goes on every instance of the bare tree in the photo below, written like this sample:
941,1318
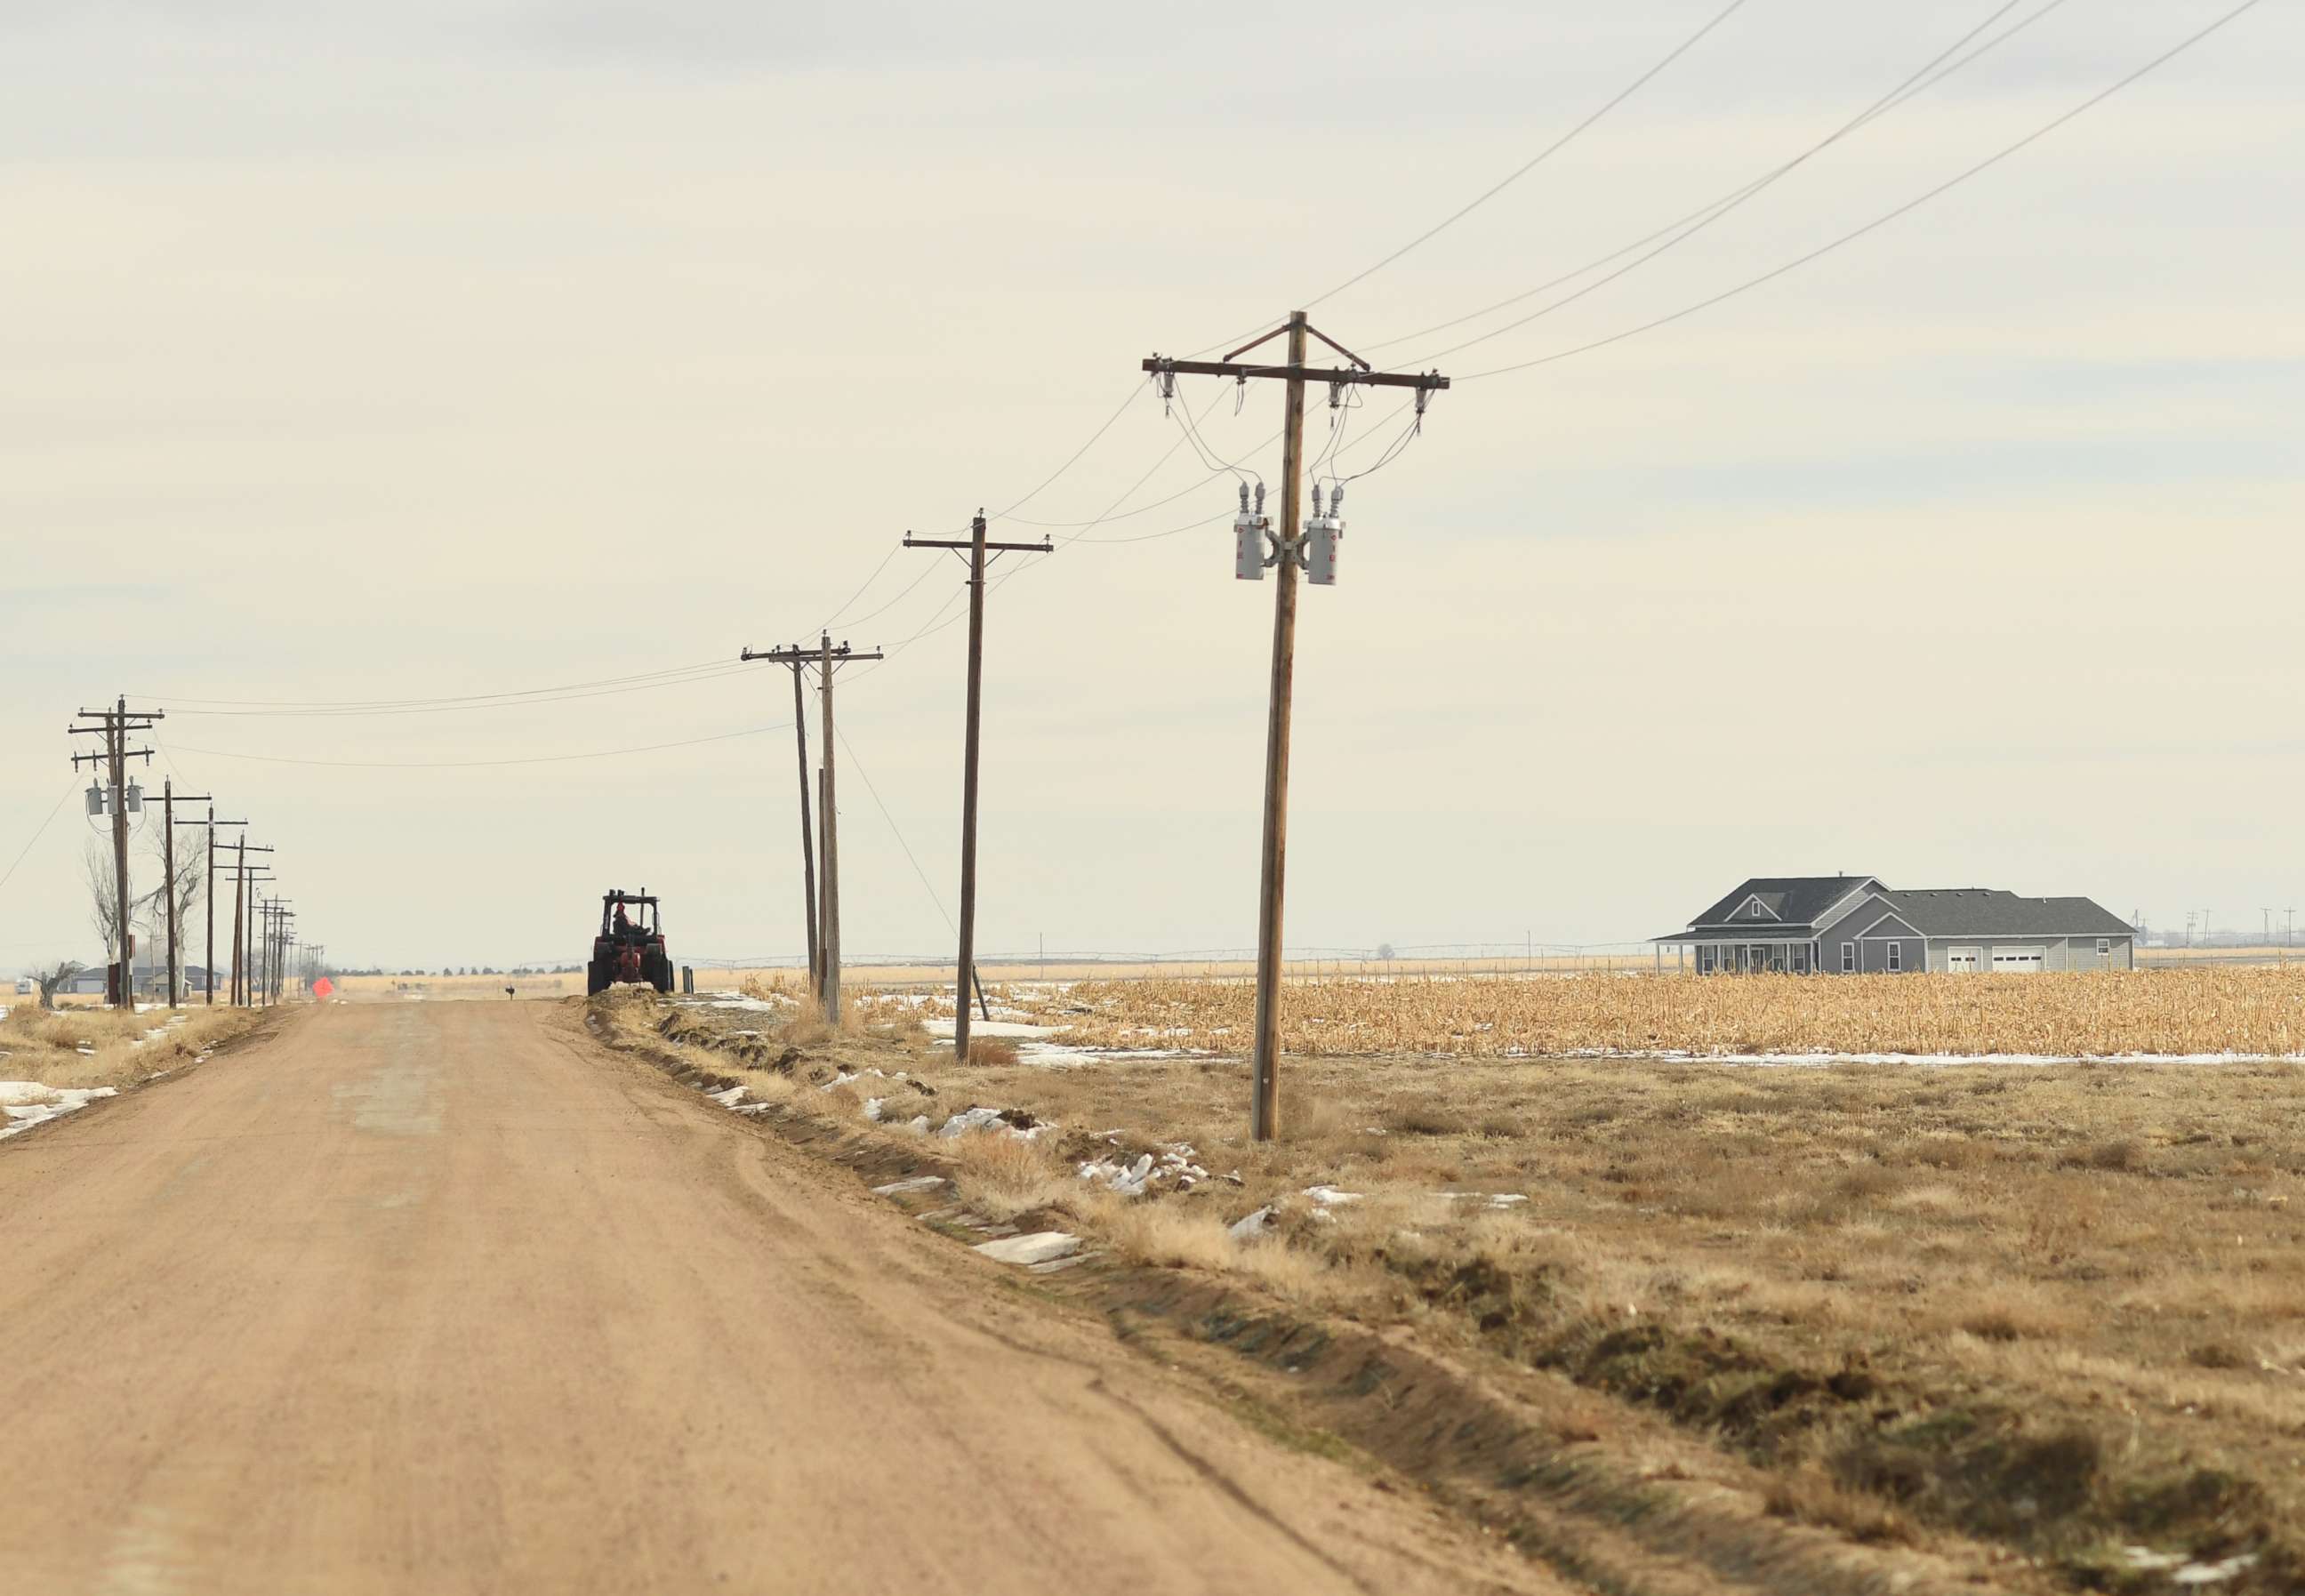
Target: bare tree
186,893
103,894
51,979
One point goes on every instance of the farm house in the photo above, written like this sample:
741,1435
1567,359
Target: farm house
1847,925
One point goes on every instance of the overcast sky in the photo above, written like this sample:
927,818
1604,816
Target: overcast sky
362,353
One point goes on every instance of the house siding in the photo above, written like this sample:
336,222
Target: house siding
1845,929
2058,953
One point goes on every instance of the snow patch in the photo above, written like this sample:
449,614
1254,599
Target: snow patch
918,1182
1043,1246
29,1103
1257,1224
985,1119
1174,1165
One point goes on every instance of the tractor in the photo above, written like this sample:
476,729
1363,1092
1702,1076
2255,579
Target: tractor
630,947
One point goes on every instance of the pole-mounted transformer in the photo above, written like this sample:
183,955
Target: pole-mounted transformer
1250,529
1322,533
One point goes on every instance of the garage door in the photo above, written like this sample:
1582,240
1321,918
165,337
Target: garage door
2018,961
1959,959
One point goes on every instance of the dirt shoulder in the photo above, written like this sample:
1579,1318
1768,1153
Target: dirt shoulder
2041,1327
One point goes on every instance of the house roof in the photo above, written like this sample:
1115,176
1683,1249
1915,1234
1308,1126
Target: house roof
1982,912
1795,900
1744,930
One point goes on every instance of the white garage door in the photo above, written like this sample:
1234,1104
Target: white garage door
1958,959
2018,961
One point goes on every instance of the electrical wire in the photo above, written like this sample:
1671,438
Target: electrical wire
545,759
180,704
835,618
1534,161
720,668
1135,389
1699,220
41,830
894,830
1883,220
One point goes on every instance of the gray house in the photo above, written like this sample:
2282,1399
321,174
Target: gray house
1844,925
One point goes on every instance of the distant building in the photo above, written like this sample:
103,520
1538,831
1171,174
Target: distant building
1844,925
93,982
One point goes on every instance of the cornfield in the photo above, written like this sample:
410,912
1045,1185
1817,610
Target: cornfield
2249,1010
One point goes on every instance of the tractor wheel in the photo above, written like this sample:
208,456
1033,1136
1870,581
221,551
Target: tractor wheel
660,970
595,983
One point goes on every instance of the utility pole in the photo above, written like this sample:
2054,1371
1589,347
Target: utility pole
2268,926
207,978
168,796
824,937
980,554
1289,551
799,664
244,921
114,726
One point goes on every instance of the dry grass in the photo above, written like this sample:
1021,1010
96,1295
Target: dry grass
2245,1010
2060,1308
104,1046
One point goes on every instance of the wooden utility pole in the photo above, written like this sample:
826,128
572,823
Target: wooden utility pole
980,554
824,937
1288,554
244,908
793,658
207,978
239,899
169,795
114,724
828,926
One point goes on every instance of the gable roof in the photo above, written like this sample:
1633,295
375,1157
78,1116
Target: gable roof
1795,900
1984,912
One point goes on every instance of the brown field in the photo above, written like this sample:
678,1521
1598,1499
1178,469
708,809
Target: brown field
2224,1009
2056,1312
870,977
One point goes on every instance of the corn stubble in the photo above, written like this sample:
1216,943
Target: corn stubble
2256,1011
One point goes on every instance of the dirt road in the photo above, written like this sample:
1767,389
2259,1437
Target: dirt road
442,1297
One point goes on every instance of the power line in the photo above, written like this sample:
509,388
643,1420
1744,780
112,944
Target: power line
183,704
545,759
73,786
1704,215
1884,218
1534,161
896,832
695,676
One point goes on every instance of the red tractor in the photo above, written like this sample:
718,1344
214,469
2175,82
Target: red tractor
630,947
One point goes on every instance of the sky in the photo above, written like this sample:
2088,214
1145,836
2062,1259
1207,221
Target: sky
424,353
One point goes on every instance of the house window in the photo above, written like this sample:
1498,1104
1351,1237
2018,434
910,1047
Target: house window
1848,958
2104,948
1896,957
